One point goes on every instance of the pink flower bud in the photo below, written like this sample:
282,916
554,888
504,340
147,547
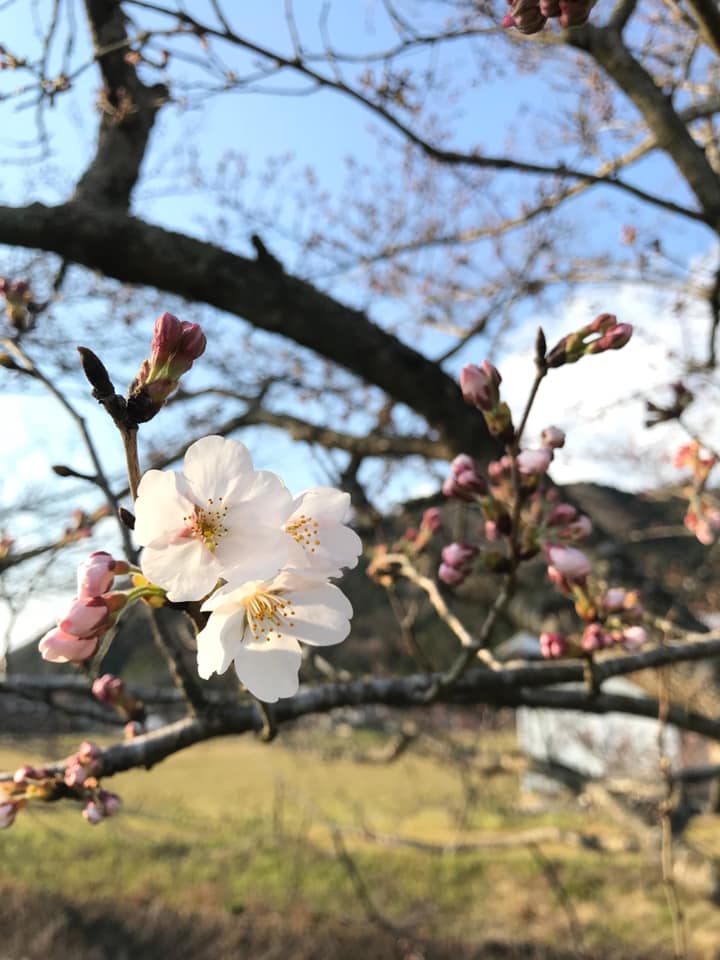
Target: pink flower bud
93,813
90,755
561,515
534,463
108,689
8,812
480,385
432,519
166,338
459,554
553,438
553,644
60,647
85,618
614,339
525,15
569,562
634,637
465,481
96,574
452,576
492,531
595,638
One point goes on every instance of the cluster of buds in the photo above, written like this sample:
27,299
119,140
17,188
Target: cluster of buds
83,767
703,514
465,481
604,333
82,771
530,16
457,562
481,387
91,613
175,347
612,617
78,780
112,692
20,307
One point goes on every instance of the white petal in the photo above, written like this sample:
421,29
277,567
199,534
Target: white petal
327,502
321,614
214,466
339,547
269,497
160,507
269,669
251,550
229,597
187,570
218,642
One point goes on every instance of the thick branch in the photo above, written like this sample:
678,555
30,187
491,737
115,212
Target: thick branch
128,112
132,251
605,45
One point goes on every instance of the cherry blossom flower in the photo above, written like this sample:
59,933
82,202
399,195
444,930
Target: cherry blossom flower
320,544
218,518
260,625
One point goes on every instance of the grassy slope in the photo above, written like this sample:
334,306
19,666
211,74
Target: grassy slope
236,827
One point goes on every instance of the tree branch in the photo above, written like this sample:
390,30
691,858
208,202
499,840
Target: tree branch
133,251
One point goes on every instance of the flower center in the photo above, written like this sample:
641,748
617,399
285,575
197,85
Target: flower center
207,524
304,530
268,613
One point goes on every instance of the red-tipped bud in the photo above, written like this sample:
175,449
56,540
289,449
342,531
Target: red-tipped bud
95,574
553,645
595,638
108,689
481,385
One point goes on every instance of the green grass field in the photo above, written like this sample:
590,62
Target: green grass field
235,828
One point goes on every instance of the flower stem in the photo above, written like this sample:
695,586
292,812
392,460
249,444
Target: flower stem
129,436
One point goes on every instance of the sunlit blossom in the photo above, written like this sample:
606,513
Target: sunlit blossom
260,625
319,542
218,518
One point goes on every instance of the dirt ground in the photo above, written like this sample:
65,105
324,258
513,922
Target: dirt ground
35,927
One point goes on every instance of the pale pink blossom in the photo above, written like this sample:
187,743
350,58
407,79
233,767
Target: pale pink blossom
259,626
319,542
480,385
93,812
218,518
